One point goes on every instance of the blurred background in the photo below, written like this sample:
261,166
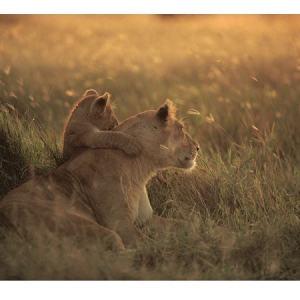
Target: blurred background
229,75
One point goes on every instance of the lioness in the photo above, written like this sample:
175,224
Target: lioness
101,193
89,125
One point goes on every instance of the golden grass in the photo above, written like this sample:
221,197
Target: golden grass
234,80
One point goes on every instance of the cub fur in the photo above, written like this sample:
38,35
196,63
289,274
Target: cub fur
101,193
89,125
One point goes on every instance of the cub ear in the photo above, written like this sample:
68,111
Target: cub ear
98,105
90,92
166,111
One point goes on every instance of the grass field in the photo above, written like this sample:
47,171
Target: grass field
235,81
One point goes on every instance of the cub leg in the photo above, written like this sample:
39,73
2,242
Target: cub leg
90,136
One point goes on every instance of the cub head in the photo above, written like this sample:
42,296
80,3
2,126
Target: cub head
97,110
163,137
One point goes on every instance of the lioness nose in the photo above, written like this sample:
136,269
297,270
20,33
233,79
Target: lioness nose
197,148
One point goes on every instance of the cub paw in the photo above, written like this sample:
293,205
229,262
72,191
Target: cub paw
132,147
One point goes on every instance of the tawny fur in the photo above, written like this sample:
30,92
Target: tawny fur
101,193
89,125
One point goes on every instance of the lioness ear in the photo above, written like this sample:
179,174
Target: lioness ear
99,104
166,111
90,93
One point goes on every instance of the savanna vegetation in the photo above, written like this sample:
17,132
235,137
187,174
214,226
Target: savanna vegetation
235,81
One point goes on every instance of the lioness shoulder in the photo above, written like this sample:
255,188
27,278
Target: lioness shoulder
89,125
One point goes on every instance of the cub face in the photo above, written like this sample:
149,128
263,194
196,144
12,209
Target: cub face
99,111
92,113
91,109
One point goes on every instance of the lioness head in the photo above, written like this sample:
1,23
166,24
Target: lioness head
163,137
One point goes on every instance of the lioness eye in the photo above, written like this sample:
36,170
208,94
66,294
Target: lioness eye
155,127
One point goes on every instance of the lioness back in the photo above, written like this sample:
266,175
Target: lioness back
88,126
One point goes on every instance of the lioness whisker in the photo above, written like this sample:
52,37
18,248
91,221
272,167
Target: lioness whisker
163,147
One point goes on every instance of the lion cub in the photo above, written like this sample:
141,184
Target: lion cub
88,126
